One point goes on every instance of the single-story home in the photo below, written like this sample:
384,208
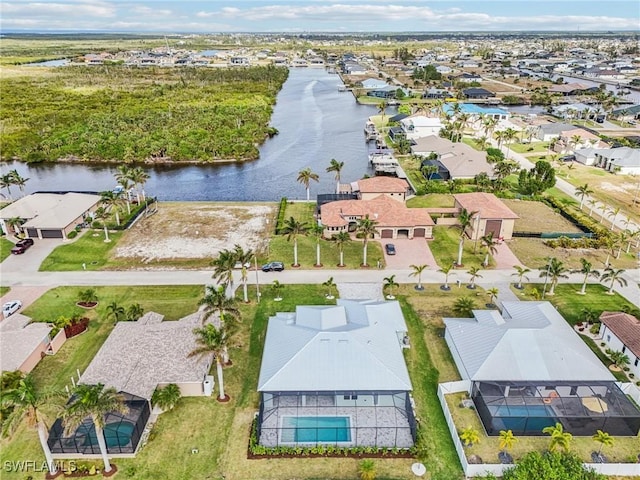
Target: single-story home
549,131
419,126
528,369
476,93
570,111
50,215
477,111
492,216
585,139
24,343
622,160
568,89
370,188
138,356
460,160
621,332
336,375
373,84
393,219
469,78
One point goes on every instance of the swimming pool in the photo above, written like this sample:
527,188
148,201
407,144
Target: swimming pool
523,418
315,429
116,434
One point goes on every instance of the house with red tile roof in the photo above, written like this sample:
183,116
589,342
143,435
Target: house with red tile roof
621,332
370,188
492,216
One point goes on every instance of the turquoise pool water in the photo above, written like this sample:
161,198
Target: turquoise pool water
316,429
530,418
115,434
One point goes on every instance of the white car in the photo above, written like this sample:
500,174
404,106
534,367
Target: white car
11,307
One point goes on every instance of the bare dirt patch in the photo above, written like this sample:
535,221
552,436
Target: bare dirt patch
195,230
538,217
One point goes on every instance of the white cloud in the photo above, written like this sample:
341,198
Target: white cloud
80,9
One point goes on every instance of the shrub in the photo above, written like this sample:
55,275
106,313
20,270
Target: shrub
595,328
72,234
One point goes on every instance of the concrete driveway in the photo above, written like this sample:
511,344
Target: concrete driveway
408,252
27,295
30,260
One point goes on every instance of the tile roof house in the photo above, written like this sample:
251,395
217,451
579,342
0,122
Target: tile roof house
336,375
370,188
528,369
50,215
492,216
585,139
621,332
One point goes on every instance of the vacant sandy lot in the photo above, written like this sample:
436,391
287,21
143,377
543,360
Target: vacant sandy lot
192,230
538,217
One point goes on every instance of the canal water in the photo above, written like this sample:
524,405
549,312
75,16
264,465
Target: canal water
316,123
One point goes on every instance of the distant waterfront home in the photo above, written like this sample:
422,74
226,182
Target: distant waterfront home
477,111
336,375
622,160
372,84
50,215
419,126
477,93
621,332
394,219
549,131
493,216
571,140
569,89
528,369
459,159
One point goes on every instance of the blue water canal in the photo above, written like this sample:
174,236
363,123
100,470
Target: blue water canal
316,123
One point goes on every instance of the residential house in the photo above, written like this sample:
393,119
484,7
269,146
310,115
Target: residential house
477,111
50,215
576,139
549,131
443,69
336,375
373,84
477,93
527,369
469,78
419,126
570,111
370,188
569,89
622,160
492,216
621,333
388,91
459,159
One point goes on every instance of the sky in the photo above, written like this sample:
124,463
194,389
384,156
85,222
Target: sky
213,16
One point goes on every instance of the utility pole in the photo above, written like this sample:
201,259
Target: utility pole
255,260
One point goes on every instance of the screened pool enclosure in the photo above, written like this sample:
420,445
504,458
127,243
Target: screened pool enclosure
582,408
122,432
343,419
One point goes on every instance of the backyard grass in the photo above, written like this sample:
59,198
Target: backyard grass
281,249
442,200
90,249
4,290
5,248
529,148
471,142
302,211
538,217
444,247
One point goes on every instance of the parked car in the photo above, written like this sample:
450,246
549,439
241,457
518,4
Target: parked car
22,246
568,158
11,307
390,248
273,267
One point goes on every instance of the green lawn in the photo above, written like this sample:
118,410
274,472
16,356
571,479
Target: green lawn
90,249
4,290
432,200
471,142
5,248
301,211
282,250
444,247
534,147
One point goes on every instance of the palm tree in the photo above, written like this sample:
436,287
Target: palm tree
367,469
95,401
166,398
139,177
417,272
464,306
447,271
102,214
87,296
317,231
618,358
243,257
509,136
293,229
521,272
276,286
587,270
112,202
18,180
115,311
465,220
382,109
6,181
559,438
330,284
604,439
212,340
15,224
390,283
215,301
614,275
305,176
341,239
223,267
367,228
583,191
507,439
134,312
489,245
336,166
613,213
475,273
592,204
493,296
469,436
28,402
123,177
555,270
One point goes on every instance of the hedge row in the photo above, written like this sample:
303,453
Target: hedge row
578,217
282,211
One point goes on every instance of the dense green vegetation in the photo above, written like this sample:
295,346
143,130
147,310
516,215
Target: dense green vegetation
115,113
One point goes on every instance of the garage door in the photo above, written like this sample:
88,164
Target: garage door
32,233
419,232
386,234
493,226
51,233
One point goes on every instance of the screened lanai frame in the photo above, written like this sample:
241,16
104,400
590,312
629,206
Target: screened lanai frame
382,419
122,431
583,408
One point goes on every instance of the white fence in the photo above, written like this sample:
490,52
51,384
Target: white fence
497,469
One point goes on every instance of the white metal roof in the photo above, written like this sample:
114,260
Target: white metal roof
529,341
50,210
352,346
